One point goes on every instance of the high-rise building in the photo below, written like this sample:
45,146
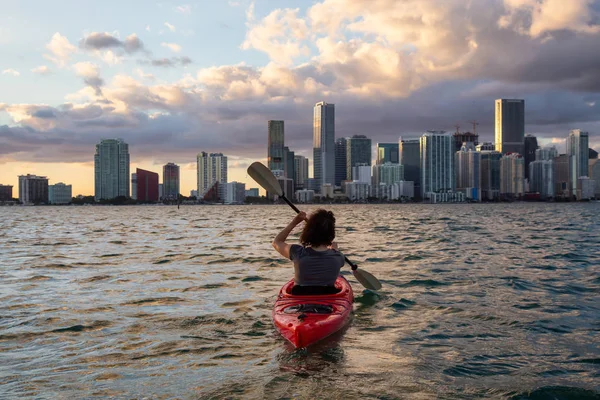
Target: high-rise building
6,192
465,137
275,156
467,163
301,172
592,154
388,173
288,163
585,188
324,144
388,152
60,193
437,163
485,146
541,179
530,147
33,189
170,181
341,170
512,180
510,125
211,169
490,174
578,147
409,157
111,169
546,153
362,173
358,152
563,176
305,195
233,192
594,171
147,185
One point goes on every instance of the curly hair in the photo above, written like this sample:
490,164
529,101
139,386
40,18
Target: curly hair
319,229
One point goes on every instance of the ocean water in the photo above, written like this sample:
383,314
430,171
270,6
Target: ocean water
478,301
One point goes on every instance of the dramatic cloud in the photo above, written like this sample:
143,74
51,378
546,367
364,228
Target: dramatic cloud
41,70
11,71
174,47
60,50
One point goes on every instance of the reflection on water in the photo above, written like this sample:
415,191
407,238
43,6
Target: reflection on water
126,302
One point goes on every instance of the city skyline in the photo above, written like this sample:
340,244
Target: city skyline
161,82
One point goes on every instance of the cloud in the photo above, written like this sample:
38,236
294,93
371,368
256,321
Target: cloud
60,50
41,70
11,71
167,62
139,72
104,41
175,48
185,9
91,76
171,27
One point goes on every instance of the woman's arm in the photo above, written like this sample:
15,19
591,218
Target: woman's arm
279,243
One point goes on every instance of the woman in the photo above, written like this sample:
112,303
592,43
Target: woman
317,262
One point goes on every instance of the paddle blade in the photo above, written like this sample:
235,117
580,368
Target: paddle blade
366,279
265,178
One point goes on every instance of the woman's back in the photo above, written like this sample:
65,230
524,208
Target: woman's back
315,268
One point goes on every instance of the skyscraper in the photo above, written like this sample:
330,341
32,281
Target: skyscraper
276,143
301,172
409,157
387,152
170,181
323,144
546,153
578,147
512,167
358,151
510,125
562,173
467,162
490,174
111,169
388,173
464,137
60,193
541,179
341,171
147,185
437,163
33,189
530,146
288,163
211,168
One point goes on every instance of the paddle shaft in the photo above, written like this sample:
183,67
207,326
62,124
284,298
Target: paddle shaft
354,266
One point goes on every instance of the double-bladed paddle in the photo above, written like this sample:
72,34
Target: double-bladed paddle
265,178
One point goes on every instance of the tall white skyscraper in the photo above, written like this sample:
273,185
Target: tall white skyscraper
578,147
510,125
467,163
512,175
211,168
324,143
111,169
437,162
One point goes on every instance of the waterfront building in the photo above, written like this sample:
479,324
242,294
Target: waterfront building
467,164
388,153
300,172
578,148
60,193
327,190
530,146
289,163
252,192
134,186
409,157
341,171
357,191
324,143
275,156
6,192
490,174
233,192
395,191
33,189
546,153
211,168
592,154
194,193
387,173
512,179
594,171
585,188
445,197
160,191
170,182
287,184
358,152
362,173
510,125
147,185
437,162
541,178
305,196
111,169
563,175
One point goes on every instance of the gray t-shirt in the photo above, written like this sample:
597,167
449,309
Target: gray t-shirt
315,268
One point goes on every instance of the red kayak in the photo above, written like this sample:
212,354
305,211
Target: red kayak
304,320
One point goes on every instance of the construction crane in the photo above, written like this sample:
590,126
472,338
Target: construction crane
475,123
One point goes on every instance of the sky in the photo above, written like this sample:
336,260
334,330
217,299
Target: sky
176,78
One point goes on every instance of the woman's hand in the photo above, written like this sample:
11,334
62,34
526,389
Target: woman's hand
301,216
333,246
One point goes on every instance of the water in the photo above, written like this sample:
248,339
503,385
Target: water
494,301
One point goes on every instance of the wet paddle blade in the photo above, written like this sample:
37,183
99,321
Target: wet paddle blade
265,178
366,279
